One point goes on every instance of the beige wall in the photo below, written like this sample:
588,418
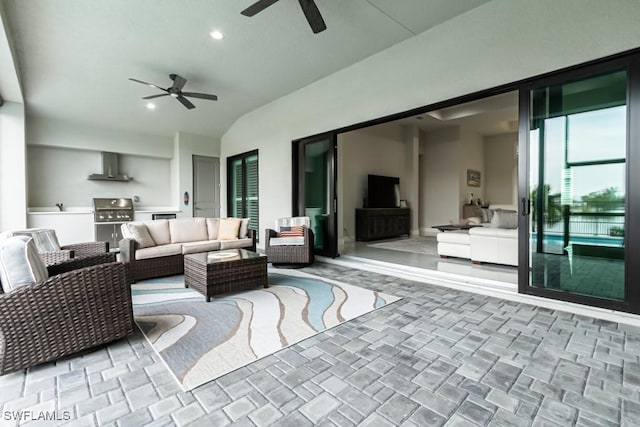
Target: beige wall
471,158
378,150
501,169
439,178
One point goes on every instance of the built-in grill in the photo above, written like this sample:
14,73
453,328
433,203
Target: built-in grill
108,216
112,210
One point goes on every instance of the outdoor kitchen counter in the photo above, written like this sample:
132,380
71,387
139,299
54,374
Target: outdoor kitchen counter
75,224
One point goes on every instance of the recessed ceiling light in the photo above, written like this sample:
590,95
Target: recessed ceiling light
216,35
151,106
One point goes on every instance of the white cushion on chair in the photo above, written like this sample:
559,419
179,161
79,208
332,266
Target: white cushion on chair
20,263
45,239
286,241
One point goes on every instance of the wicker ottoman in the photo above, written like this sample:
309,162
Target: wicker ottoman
219,272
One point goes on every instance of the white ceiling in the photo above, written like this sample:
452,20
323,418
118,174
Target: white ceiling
493,115
76,56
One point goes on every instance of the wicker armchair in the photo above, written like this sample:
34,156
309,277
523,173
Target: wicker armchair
299,253
66,252
81,262
64,314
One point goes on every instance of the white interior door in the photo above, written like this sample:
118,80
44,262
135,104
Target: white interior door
206,187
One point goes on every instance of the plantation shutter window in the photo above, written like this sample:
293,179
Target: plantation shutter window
242,188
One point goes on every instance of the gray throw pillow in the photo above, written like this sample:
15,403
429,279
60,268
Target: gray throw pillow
244,228
504,219
487,214
140,233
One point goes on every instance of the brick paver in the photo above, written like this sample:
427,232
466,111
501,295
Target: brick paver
437,357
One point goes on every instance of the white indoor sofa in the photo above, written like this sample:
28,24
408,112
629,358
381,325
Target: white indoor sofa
488,243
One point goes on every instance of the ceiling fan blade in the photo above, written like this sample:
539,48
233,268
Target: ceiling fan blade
148,84
200,95
155,96
257,7
185,102
313,15
178,81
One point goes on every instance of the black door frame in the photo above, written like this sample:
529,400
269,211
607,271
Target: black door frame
632,230
630,63
330,240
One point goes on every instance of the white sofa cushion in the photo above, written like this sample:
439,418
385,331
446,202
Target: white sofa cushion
159,231
213,225
505,233
205,246
494,245
235,244
188,230
460,237
159,251
454,243
20,263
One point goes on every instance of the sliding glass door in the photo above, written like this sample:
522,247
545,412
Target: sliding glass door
315,189
575,195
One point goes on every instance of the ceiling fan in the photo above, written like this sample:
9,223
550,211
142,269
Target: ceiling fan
176,91
309,8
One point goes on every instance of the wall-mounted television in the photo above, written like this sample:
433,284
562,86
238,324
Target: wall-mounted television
383,191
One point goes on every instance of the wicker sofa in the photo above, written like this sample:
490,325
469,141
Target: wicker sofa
174,238
64,314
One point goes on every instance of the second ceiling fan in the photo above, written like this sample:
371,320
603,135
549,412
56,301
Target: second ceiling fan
175,91
309,8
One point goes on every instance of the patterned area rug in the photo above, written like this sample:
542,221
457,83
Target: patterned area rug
420,245
201,341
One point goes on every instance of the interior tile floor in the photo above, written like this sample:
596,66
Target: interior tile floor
432,262
437,357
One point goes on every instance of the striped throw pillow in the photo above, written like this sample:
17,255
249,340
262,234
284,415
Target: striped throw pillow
292,231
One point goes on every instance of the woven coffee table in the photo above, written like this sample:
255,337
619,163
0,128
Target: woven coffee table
219,272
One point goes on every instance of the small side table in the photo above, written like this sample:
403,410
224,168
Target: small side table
225,271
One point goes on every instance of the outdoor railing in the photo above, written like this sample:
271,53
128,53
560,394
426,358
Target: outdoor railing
588,225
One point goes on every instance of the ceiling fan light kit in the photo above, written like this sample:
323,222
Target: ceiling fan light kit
175,91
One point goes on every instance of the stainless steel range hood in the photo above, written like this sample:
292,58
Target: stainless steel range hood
110,169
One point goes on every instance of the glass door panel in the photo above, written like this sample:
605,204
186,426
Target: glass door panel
577,154
316,197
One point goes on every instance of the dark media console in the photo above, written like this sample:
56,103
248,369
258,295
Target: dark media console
382,223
